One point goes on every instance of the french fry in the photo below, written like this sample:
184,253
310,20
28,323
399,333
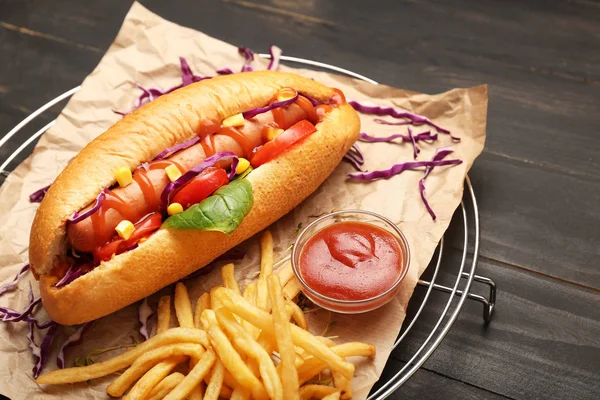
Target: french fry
208,318
250,296
156,374
228,382
228,275
286,273
266,269
194,377
342,384
234,363
164,314
202,304
312,365
302,338
292,289
328,342
240,393
165,386
332,396
103,368
249,346
197,392
316,391
148,360
283,336
297,314
250,293
216,382
266,254
214,302
183,306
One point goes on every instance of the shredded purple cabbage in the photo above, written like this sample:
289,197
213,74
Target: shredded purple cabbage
384,122
424,198
313,101
73,340
355,157
38,195
425,136
10,315
439,155
357,165
234,164
72,274
399,168
192,173
256,111
10,285
275,56
167,152
392,112
249,55
416,150
144,315
40,354
76,217
225,71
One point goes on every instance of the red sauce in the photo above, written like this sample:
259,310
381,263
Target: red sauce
140,176
240,138
351,261
110,201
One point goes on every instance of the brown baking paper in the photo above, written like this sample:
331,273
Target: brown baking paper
147,51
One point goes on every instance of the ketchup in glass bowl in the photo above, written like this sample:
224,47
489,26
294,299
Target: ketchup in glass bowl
350,261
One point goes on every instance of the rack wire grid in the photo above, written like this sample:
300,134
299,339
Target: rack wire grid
462,277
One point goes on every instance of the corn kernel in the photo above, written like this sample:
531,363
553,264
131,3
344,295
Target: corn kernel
173,172
125,229
272,133
124,176
286,94
242,166
174,208
234,120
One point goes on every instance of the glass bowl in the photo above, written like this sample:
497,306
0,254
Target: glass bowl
350,306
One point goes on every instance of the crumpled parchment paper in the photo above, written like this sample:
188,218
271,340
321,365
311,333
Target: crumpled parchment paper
147,51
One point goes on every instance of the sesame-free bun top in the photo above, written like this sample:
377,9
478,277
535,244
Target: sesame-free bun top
171,254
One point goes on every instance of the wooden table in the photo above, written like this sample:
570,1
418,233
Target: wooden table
537,181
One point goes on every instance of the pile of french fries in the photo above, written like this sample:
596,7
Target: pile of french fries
234,345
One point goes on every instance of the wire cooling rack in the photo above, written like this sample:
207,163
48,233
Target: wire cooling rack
460,276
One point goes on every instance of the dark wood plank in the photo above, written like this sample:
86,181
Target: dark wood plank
541,219
426,385
544,340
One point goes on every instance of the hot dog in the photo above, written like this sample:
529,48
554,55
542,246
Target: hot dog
125,242
82,236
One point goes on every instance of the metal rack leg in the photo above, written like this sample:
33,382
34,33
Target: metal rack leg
489,303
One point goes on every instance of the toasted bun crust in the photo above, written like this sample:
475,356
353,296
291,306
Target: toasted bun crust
169,255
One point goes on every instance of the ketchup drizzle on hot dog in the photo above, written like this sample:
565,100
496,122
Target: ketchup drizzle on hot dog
113,201
239,138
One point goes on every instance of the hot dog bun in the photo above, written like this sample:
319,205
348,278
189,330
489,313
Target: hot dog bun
169,255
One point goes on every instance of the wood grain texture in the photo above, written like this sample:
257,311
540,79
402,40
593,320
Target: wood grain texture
537,182
544,340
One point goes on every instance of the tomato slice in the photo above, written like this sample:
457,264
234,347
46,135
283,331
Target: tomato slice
282,142
143,228
201,187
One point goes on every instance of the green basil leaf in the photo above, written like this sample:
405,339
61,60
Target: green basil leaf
223,211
